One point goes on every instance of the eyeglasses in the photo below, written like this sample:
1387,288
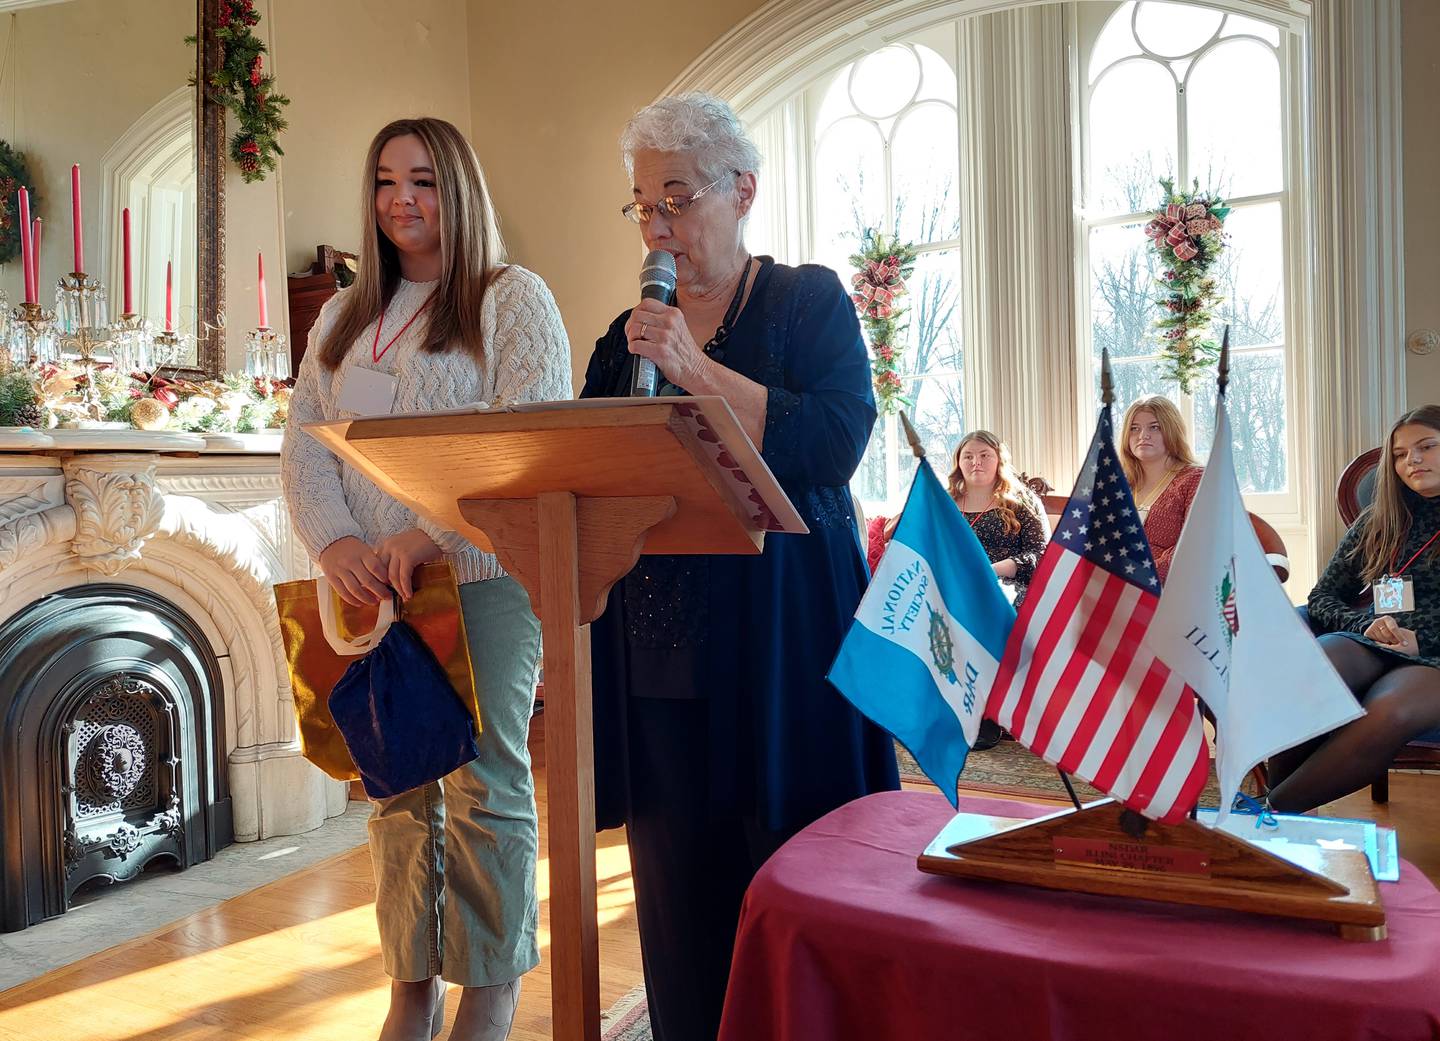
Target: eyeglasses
670,206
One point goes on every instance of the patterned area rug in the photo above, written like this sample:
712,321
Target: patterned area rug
1010,769
627,1020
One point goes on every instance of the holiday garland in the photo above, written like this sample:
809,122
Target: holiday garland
13,176
882,265
1188,234
243,86
49,395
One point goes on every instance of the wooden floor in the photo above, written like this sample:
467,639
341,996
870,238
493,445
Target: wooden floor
297,960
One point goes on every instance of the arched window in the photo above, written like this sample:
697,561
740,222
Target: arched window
1198,94
1182,89
881,150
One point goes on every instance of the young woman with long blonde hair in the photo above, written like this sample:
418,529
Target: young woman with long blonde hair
1162,470
436,320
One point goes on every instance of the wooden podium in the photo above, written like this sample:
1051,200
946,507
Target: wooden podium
567,496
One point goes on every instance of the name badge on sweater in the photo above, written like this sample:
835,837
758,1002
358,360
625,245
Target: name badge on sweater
1393,594
366,392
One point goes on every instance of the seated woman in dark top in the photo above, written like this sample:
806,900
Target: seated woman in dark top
717,735
988,491
1387,652
1001,510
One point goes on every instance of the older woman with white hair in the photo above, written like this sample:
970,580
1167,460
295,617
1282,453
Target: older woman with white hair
717,735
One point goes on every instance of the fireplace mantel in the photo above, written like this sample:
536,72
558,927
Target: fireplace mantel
199,521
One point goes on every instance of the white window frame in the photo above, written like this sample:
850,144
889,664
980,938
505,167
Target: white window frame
1284,509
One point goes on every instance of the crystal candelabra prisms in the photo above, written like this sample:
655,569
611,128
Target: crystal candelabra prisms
82,328
266,356
170,347
131,339
30,335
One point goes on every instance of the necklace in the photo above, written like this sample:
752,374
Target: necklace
972,521
1159,488
716,345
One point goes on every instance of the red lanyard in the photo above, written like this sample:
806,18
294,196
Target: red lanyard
982,513
1422,549
375,352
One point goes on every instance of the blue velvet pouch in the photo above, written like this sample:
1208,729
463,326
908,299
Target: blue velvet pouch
400,716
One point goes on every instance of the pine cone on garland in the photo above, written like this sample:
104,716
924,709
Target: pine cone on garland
31,415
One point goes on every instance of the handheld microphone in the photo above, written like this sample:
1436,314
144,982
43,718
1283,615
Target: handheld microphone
657,282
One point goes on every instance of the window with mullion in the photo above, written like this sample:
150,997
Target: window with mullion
885,134
1195,92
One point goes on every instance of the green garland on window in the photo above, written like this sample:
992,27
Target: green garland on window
13,176
882,265
1187,232
243,86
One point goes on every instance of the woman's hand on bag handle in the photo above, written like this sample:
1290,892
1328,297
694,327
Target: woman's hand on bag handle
401,554
355,571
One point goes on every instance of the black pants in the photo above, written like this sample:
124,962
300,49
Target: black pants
690,869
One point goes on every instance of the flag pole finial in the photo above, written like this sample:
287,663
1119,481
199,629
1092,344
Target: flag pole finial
911,436
1222,376
1107,382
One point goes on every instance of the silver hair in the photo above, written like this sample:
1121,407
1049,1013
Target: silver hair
696,124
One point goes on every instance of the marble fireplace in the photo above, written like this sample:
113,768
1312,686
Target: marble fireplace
144,705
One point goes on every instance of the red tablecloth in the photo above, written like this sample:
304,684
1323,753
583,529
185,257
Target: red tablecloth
842,938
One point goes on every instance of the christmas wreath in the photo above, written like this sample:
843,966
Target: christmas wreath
882,265
243,86
1188,234
13,177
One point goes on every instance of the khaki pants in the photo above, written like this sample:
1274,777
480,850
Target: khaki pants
455,860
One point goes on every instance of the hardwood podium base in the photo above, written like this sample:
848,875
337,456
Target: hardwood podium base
1105,849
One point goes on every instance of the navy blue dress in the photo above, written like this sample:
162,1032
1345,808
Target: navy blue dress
716,733
754,636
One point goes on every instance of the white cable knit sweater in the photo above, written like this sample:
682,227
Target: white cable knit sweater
527,358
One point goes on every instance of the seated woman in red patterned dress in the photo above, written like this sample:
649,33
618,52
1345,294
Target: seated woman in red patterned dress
1162,472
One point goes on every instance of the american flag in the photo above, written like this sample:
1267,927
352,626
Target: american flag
1077,685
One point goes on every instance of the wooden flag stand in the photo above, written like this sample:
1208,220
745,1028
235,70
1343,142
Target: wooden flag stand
1106,849
568,495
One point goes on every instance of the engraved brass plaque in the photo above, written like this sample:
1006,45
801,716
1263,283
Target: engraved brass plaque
1132,856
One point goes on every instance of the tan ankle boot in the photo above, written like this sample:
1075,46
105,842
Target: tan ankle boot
486,1013
417,1010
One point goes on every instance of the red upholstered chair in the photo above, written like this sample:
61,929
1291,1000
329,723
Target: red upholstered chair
1353,493
1357,485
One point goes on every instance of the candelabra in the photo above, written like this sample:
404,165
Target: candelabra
83,329
170,348
132,338
266,356
30,335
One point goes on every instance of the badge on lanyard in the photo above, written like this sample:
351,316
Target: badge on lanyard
366,392
1393,594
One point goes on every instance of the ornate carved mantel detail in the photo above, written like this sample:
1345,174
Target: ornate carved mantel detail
117,507
206,530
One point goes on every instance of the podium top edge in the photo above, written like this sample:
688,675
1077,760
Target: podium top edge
559,415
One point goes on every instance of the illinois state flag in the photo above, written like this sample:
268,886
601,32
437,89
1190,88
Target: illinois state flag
1226,625
927,638
1077,685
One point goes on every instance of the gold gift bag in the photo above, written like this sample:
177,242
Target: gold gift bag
318,659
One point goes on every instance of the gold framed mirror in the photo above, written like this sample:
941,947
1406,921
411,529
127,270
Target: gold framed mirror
114,87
